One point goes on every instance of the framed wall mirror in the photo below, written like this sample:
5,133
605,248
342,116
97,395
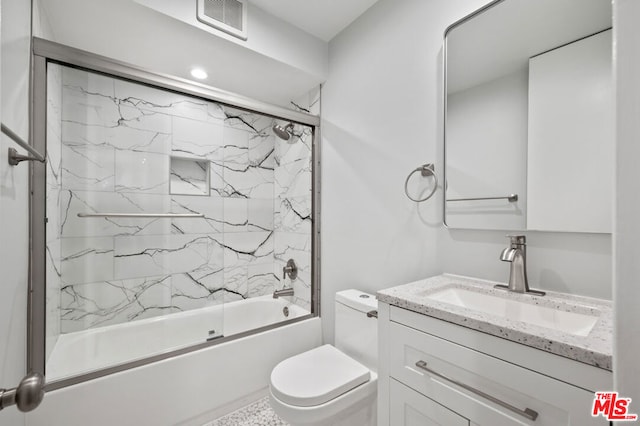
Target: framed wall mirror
529,117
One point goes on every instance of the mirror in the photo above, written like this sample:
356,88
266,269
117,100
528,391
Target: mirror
529,117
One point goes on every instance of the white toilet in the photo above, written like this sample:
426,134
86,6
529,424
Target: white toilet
333,385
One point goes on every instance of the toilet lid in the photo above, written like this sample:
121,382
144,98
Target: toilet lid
316,376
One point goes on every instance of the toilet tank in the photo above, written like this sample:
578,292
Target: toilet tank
356,334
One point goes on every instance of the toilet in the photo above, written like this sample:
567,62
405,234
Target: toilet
333,385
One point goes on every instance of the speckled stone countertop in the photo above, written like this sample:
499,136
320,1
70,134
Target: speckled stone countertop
594,349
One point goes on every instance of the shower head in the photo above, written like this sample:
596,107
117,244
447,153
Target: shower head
283,133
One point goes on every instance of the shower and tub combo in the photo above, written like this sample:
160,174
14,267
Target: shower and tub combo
175,232
178,219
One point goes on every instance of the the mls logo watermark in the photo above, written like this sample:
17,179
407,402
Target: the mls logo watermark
612,407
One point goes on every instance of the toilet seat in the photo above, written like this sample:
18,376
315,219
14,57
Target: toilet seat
316,377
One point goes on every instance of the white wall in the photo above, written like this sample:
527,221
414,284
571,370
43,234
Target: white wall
279,63
627,225
381,118
15,30
267,35
570,263
382,115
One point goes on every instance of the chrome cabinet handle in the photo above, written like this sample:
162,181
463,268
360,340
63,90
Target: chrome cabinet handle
526,413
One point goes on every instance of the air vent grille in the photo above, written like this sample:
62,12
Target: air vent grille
214,9
226,15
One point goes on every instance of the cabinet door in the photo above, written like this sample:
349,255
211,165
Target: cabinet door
409,408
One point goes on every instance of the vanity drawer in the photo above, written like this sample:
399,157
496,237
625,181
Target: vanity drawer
484,389
410,408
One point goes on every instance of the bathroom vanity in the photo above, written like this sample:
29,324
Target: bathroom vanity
457,351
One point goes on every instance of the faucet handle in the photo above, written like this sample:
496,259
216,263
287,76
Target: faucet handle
517,239
291,269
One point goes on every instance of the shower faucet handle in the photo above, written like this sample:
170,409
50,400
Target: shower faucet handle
290,269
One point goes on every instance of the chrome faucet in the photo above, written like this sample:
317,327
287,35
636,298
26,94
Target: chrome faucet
516,254
283,292
291,270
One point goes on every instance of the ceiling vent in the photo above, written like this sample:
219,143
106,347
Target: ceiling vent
229,16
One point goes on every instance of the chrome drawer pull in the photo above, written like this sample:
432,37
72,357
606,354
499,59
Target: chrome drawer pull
527,412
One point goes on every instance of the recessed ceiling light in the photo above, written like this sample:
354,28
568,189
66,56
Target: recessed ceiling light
199,73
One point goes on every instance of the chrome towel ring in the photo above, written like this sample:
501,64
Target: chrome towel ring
425,170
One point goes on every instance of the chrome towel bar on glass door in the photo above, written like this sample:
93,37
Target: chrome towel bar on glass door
144,215
512,198
14,157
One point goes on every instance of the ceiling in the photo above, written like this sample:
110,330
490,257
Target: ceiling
321,18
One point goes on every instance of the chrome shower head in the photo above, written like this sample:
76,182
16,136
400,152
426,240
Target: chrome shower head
283,133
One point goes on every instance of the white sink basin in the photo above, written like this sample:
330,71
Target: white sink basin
568,322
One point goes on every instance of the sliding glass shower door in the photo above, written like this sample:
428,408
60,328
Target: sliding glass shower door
162,208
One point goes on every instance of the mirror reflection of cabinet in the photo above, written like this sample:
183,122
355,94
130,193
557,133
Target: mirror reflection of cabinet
529,112
570,149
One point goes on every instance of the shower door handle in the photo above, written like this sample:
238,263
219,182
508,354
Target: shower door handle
27,396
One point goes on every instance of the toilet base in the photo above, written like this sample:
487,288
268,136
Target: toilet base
356,407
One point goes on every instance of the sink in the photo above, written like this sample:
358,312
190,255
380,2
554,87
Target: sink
568,322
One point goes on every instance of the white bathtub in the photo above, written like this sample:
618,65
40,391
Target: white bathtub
90,350
185,390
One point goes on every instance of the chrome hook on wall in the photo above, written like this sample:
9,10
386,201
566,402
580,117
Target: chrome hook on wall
14,157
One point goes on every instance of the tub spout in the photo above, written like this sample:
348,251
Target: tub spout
283,292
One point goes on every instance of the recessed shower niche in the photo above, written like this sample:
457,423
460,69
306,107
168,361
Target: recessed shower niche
188,176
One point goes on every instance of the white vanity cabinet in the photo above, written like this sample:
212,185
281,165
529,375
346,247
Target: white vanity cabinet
410,408
432,372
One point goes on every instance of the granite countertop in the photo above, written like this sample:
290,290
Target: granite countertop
594,349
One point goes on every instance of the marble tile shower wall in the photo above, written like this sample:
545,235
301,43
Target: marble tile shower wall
293,206
126,148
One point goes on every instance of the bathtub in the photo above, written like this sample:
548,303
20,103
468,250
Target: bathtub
185,390
89,350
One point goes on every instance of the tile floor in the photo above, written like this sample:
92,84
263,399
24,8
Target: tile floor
257,414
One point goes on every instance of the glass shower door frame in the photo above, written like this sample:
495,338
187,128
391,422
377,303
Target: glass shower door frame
45,52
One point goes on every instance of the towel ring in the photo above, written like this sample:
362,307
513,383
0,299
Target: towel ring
425,170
